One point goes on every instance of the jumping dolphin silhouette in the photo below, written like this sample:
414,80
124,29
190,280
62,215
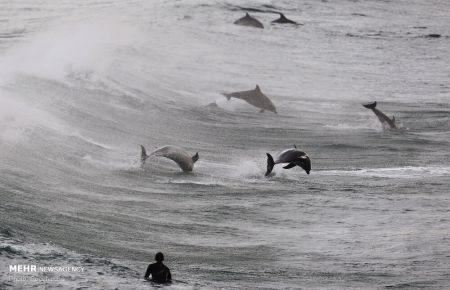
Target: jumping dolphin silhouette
385,120
284,20
254,97
247,20
292,156
175,153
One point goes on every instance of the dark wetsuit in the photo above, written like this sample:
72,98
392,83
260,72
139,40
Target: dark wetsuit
160,273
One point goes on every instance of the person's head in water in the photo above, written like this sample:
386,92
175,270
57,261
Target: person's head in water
159,257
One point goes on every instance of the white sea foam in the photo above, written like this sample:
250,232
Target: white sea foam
18,117
89,140
64,48
360,125
412,172
247,169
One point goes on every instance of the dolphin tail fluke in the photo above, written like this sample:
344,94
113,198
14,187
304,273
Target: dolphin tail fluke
144,155
370,105
270,164
227,96
195,157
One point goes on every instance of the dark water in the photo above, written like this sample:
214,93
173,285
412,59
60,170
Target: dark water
82,84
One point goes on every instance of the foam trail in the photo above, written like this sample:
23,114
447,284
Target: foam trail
408,172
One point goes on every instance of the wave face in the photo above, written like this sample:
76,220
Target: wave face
82,85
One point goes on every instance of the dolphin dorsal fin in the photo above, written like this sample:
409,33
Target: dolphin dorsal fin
247,15
282,15
257,88
295,146
144,155
393,119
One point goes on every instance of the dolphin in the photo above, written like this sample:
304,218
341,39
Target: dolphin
292,156
247,20
284,20
385,120
254,97
175,153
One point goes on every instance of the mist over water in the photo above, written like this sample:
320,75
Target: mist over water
83,84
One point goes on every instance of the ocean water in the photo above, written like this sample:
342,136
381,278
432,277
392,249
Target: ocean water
84,83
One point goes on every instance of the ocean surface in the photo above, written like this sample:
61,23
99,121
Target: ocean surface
84,83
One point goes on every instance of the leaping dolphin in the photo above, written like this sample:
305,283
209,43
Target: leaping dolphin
254,97
385,120
175,153
284,20
247,20
292,156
